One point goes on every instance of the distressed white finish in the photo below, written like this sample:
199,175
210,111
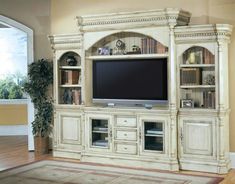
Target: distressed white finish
193,139
214,150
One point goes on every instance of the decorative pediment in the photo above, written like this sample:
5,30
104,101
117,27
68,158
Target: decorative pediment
112,21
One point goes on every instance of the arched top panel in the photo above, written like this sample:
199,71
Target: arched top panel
198,55
12,23
70,59
123,43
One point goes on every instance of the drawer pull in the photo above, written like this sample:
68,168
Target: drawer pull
125,134
125,148
125,121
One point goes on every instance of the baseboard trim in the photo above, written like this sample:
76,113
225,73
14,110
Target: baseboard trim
232,157
10,130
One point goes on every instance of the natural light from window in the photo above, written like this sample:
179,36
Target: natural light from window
13,62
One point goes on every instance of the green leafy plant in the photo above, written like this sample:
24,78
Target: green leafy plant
11,87
40,77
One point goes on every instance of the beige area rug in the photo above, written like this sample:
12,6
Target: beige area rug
52,172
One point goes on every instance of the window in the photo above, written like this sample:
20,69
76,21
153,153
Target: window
13,62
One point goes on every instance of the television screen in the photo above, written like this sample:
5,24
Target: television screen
130,79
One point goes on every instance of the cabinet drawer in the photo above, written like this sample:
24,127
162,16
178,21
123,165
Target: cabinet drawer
126,122
126,148
126,135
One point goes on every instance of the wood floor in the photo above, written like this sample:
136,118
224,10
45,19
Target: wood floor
13,153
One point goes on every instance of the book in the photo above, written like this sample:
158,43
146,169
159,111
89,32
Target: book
69,77
190,76
76,96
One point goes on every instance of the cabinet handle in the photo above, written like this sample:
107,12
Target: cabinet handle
181,135
110,134
140,135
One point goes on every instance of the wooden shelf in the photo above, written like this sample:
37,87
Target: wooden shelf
99,131
134,56
197,86
196,65
154,135
70,67
70,85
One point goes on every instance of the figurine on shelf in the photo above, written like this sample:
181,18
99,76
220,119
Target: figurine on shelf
71,60
68,96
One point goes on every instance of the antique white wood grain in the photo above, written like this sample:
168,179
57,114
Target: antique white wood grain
202,143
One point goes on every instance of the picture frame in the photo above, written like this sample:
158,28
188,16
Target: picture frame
187,103
104,51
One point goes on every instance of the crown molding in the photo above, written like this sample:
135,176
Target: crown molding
68,41
150,18
202,33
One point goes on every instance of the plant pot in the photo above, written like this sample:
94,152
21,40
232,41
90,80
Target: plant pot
41,145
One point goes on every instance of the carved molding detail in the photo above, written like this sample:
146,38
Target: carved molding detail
215,32
72,41
135,19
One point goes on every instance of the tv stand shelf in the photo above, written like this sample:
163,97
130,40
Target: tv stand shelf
134,56
188,132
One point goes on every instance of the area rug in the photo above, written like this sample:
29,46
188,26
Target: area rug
58,172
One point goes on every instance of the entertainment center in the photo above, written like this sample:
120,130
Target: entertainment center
143,89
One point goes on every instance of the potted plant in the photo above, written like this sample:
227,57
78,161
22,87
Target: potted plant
40,77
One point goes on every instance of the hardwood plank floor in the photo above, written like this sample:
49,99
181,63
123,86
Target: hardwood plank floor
14,152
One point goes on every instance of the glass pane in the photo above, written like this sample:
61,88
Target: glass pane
153,139
100,133
13,70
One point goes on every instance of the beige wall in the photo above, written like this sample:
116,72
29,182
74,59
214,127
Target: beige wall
36,15
13,115
203,11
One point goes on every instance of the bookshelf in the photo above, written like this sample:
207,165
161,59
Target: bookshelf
197,78
69,78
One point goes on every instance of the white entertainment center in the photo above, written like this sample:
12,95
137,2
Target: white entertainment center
189,132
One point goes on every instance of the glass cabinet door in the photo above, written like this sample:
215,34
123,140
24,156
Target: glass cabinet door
99,128
153,136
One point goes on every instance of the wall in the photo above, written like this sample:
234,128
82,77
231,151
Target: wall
34,14
203,11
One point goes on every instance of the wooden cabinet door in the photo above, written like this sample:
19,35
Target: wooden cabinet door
69,130
197,137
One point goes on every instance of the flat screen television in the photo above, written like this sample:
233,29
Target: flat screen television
130,81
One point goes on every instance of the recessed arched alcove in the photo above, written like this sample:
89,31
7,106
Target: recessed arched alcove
197,78
123,43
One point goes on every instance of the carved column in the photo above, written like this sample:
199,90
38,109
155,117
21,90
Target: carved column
172,99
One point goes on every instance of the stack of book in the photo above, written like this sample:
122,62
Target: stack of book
151,46
69,77
209,99
190,76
